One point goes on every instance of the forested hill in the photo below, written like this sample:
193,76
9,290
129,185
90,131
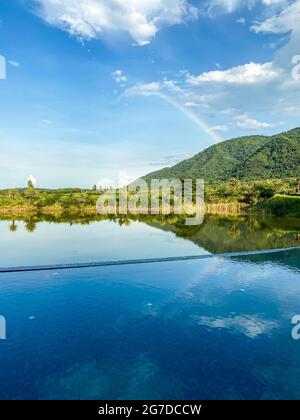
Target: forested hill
244,158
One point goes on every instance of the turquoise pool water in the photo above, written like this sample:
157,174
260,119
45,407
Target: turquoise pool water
218,328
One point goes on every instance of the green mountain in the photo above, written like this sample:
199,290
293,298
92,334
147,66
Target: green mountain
244,158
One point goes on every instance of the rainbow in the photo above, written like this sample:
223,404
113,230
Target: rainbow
189,113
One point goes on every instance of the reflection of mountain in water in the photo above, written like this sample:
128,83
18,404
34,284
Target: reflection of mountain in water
217,234
230,234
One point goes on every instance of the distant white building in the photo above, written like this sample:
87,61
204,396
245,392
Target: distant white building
32,179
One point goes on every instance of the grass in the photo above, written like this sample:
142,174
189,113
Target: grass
282,205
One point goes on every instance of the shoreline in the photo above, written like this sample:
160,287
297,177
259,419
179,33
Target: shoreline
234,209
279,205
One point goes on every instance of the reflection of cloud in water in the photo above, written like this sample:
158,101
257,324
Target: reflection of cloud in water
231,275
138,379
213,266
254,274
252,327
223,287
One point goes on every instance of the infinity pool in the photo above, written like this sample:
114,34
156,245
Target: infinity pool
216,328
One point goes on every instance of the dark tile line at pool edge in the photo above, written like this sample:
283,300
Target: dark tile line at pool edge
139,261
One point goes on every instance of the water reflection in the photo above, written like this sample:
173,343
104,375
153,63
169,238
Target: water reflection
143,236
217,328
244,233
31,225
13,226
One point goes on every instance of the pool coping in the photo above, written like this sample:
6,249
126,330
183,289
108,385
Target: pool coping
70,266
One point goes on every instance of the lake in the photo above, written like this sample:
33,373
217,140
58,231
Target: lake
36,241
217,328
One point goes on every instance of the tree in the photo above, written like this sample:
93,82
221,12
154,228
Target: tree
298,187
30,184
13,226
31,194
30,225
13,194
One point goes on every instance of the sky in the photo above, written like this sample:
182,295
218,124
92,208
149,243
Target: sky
104,91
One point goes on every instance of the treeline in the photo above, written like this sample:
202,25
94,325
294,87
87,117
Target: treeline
250,193
40,198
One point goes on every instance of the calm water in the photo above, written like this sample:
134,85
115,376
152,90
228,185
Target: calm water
217,328
36,241
98,241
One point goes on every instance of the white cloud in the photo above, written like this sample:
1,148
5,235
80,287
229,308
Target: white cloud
290,110
48,122
121,179
191,104
172,85
220,128
246,123
259,94
241,75
214,8
217,7
141,19
273,2
241,20
119,76
14,63
285,21
170,160
143,89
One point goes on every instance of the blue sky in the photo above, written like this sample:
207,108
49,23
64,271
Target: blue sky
98,90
